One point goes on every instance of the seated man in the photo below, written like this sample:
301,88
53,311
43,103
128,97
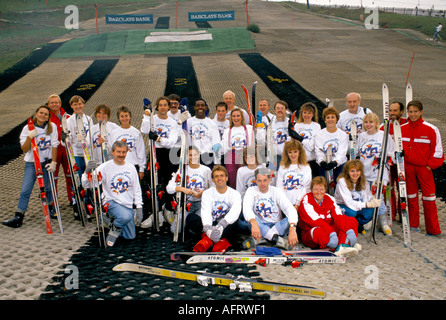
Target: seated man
263,206
121,190
220,210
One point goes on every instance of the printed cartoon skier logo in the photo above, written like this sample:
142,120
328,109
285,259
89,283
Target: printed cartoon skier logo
264,210
120,186
195,184
219,209
369,150
238,143
358,125
280,136
43,144
130,144
292,182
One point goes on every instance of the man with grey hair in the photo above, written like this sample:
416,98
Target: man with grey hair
263,207
121,191
354,112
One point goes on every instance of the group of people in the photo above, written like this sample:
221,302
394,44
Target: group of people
260,175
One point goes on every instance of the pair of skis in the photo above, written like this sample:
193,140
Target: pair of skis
399,157
241,283
401,179
94,179
153,168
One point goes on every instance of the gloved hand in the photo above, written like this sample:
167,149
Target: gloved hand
332,165
138,217
183,117
351,237
91,165
324,165
217,231
32,134
51,167
63,136
153,136
293,134
216,147
333,242
374,203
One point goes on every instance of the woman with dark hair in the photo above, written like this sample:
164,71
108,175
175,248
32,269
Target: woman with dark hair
47,140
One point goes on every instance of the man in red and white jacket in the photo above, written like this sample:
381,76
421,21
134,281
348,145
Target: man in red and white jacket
423,152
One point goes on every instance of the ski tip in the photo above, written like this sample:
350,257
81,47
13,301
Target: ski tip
120,267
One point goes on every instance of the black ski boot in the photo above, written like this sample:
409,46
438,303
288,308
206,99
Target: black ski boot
15,222
52,210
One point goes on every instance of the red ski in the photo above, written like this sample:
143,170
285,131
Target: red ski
39,175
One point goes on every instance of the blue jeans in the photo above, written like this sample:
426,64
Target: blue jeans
29,178
363,216
80,161
123,218
282,227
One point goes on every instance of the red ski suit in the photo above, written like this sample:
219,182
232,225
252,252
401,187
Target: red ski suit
422,149
318,221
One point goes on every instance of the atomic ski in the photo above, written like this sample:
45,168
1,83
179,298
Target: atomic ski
409,95
353,137
180,204
77,185
382,160
153,167
329,176
39,175
93,178
263,259
259,251
399,159
243,284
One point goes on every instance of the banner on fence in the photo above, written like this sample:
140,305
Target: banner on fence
211,16
129,18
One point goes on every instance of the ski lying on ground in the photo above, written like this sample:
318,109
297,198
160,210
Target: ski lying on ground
40,181
243,284
186,255
263,259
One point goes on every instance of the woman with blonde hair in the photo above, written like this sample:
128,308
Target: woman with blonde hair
294,174
353,194
235,138
369,148
305,130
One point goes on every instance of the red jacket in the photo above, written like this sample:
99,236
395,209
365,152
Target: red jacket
401,121
311,215
58,121
422,144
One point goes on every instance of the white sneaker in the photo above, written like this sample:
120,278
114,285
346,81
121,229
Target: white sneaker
346,251
358,247
169,216
147,223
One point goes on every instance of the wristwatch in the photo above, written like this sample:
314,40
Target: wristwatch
292,225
